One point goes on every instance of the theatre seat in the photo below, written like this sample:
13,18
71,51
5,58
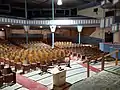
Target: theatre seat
44,68
1,80
26,68
2,66
18,65
8,78
33,66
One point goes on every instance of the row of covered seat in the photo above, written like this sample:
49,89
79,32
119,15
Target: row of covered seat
81,50
31,57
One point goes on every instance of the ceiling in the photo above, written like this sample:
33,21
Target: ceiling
46,3
42,8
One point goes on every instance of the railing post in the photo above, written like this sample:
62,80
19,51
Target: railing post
88,68
102,63
116,61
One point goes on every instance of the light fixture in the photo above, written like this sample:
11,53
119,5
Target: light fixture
2,29
59,26
79,28
59,2
8,25
52,28
41,26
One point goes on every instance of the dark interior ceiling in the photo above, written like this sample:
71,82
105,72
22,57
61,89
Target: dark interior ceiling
46,3
42,8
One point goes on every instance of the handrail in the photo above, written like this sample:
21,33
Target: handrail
102,61
108,54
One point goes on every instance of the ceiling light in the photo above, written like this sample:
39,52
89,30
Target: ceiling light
59,26
59,2
41,26
2,29
8,25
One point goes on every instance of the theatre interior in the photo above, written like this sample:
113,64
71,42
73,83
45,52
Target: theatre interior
59,45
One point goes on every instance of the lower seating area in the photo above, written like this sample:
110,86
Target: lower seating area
36,55
7,75
42,55
81,50
36,60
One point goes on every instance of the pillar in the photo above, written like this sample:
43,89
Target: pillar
52,28
79,37
102,63
116,61
26,28
79,28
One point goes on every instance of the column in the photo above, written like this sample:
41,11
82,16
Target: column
79,28
52,28
26,28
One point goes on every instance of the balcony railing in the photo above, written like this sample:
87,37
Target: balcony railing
5,20
107,22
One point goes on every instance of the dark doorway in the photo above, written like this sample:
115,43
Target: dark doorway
108,37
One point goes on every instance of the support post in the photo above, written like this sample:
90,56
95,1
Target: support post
88,67
103,29
116,61
102,63
53,39
53,8
79,37
26,16
26,28
79,28
52,28
26,37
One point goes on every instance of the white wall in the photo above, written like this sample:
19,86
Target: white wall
2,33
98,33
89,12
116,37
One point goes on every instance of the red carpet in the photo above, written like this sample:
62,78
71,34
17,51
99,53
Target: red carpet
91,68
29,84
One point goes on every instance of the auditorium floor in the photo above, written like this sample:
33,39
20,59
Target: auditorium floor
105,80
74,74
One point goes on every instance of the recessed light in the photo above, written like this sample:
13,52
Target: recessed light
41,26
8,25
2,29
59,2
59,26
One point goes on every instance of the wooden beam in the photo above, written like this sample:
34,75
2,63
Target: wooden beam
102,63
108,54
88,67
116,61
